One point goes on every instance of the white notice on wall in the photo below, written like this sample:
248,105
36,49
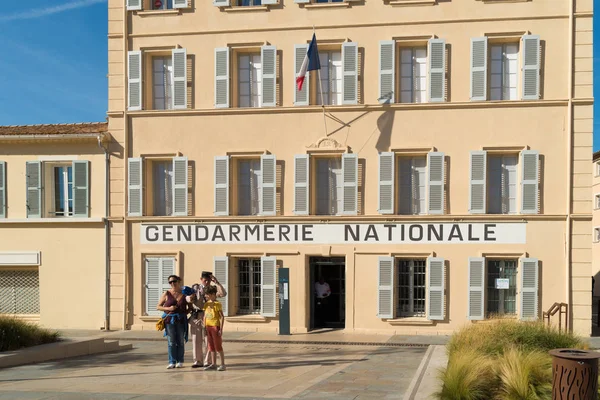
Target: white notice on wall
285,291
502,283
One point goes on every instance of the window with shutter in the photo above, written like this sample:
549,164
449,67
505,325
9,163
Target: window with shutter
386,182
329,186
268,287
221,271
329,89
413,75
385,285
222,185
501,290
250,80
249,285
158,270
2,189
411,287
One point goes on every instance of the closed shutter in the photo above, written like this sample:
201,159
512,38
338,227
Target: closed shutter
435,176
221,266
221,3
153,285
222,185
134,80
2,189
222,76
268,165
437,70
387,71
385,287
134,187
268,290
386,182
34,189
529,289
301,97
179,87
81,188
477,191
134,5
530,89
436,278
180,3
529,181
269,75
349,73
180,186
476,287
301,181
350,187
479,69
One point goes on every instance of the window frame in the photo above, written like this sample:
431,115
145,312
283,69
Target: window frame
397,287
168,89
501,292
503,43
49,196
401,48
253,287
517,183
234,167
314,187
238,85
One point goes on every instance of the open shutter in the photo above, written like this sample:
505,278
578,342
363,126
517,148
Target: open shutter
477,191
153,285
385,287
268,55
134,80
476,287
221,3
435,182
301,97
133,5
134,187
268,201
386,182
222,76
180,186
349,73
222,185
437,70
301,180
479,69
437,285
268,290
81,188
530,89
529,181
529,289
221,265
34,189
387,71
350,184
180,3
2,189
179,87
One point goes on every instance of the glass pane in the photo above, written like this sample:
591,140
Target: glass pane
162,176
244,286
59,192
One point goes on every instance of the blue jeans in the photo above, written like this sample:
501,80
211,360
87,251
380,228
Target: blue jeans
175,340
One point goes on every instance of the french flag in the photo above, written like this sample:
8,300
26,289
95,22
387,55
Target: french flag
310,63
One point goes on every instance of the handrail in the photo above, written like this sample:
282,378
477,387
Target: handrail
561,308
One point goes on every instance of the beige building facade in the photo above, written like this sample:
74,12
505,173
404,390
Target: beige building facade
435,171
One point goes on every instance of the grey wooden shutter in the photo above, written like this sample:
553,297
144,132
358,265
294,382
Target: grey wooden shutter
350,183
268,168
349,73
180,186
301,181
221,3
530,89
476,288
81,189
437,285
134,187
179,87
529,289
180,3
437,70
153,285
386,182
301,98
222,76
134,5
134,80
34,189
167,268
435,182
221,266
268,289
222,185
268,56
478,187
385,287
387,71
529,181
479,69
2,189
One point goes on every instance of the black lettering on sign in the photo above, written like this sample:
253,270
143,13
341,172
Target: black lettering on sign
389,228
155,234
488,231
184,231
306,232
348,230
167,232
253,231
268,235
411,233
201,237
455,232
431,231
402,231
218,233
471,237
234,231
371,234
283,234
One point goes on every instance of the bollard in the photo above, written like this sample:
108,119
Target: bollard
574,374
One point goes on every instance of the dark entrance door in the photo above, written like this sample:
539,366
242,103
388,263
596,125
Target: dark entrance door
331,313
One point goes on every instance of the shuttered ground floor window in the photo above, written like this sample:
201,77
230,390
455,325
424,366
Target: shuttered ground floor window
19,292
411,288
501,287
250,274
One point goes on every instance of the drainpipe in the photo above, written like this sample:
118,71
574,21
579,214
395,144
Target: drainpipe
569,285
106,234
126,169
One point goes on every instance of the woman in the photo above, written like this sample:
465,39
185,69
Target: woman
175,308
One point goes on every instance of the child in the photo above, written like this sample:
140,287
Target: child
213,321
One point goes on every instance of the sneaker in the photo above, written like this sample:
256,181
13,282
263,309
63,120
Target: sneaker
179,365
196,365
221,368
209,367
170,366
206,365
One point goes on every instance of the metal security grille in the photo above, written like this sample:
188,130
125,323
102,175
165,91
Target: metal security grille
249,284
19,292
411,288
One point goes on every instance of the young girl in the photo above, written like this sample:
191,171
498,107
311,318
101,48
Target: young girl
213,321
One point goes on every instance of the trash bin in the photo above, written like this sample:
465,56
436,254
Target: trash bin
574,374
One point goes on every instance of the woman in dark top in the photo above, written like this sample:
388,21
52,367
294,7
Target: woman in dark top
174,305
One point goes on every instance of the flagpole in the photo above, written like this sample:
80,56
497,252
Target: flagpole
322,102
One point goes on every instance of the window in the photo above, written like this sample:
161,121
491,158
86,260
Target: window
162,80
162,187
62,191
19,292
597,164
501,287
331,78
596,235
249,286
597,201
502,184
157,271
250,80
504,71
329,189
411,288
162,4
249,187
248,2
412,185
413,75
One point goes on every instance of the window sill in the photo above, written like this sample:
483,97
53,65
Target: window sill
150,318
66,220
246,318
411,321
413,2
245,8
345,4
148,13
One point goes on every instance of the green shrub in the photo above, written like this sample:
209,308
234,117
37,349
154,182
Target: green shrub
16,334
524,375
468,376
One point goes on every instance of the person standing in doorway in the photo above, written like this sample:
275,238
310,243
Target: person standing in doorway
322,291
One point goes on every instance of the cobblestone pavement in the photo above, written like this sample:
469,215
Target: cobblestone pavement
274,371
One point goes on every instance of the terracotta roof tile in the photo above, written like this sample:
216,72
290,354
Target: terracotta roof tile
54,129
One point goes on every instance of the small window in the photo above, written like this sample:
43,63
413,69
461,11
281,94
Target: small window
501,298
504,71
249,286
329,188
249,183
597,201
331,77
596,235
328,1
411,288
412,185
20,292
597,168
162,81
248,3
62,194
250,85
162,4
502,184
413,75
162,188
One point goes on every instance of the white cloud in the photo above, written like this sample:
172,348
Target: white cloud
42,12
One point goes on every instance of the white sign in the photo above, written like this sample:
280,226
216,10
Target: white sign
382,233
502,283
285,291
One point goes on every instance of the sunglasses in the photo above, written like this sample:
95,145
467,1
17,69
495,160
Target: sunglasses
172,282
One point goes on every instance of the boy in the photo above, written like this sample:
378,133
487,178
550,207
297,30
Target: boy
214,321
